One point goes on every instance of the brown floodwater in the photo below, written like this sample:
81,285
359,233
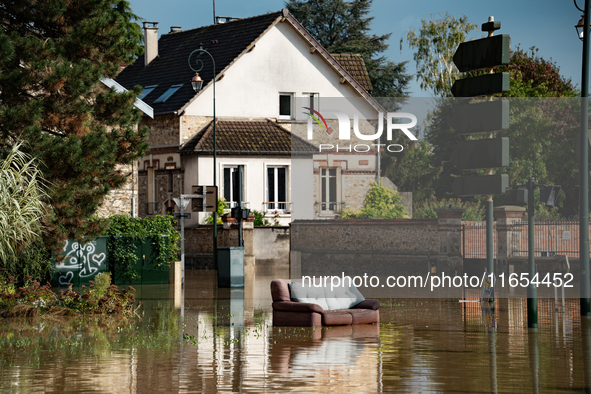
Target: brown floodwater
223,340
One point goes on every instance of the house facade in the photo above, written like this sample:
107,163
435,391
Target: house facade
266,67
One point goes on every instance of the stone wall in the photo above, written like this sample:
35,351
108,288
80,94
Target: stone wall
190,125
199,244
377,246
164,130
271,247
355,187
119,201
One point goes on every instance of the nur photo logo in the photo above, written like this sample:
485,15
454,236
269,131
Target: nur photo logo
344,122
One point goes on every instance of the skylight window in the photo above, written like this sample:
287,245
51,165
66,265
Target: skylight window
146,91
166,95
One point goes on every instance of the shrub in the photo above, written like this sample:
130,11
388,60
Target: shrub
380,202
101,298
474,211
260,219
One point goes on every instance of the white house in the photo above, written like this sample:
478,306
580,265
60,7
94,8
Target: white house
267,68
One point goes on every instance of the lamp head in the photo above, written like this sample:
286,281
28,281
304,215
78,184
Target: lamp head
580,26
197,82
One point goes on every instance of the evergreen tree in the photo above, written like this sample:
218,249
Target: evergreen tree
53,54
343,27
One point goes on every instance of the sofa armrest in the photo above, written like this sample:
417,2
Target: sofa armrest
290,306
368,304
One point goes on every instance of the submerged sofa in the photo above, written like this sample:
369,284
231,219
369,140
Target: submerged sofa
295,305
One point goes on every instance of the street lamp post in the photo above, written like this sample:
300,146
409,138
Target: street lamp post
197,83
583,167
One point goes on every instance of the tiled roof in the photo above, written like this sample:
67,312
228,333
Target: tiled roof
224,41
354,64
247,137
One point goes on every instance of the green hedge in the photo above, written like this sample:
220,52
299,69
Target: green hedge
124,231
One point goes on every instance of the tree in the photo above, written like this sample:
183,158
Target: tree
52,57
343,27
435,45
543,133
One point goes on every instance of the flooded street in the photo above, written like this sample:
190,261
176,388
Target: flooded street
227,344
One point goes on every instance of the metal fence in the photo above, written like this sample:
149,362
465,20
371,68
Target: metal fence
551,238
474,240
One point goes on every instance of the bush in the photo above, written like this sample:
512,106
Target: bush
380,202
474,211
260,220
101,298
33,260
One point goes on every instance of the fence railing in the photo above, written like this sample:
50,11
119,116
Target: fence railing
474,240
551,238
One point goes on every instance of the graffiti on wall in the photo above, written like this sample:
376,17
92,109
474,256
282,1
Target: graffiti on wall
82,260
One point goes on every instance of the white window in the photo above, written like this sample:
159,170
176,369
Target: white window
285,105
329,189
231,190
277,188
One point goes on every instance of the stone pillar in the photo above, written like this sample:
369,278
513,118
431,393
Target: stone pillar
450,239
508,235
506,216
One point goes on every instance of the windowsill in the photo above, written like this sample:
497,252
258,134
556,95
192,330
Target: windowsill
279,215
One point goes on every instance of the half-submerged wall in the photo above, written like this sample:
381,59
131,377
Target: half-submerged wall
380,247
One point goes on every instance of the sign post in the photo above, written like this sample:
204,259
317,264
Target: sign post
487,117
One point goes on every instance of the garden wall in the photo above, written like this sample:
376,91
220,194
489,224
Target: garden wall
380,247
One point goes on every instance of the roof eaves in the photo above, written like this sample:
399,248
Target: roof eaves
221,73
138,103
332,61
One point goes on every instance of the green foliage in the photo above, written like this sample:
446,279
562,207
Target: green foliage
412,169
34,261
425,209
543,133
52,57
222,209
21,203
101,297
533,76
379,202
343,27
260,219
435,44
32,298
124,231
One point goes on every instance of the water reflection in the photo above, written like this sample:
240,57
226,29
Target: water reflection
224,341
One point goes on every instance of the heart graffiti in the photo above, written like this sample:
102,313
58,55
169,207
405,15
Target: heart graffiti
67,278
98,258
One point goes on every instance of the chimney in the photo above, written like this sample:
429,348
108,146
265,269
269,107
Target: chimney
176,29
150,41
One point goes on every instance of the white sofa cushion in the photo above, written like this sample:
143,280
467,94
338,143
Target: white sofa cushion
338,298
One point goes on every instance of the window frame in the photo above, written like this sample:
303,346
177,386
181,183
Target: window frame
330,207
168,94
147,89
291,103
223,167
279,206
